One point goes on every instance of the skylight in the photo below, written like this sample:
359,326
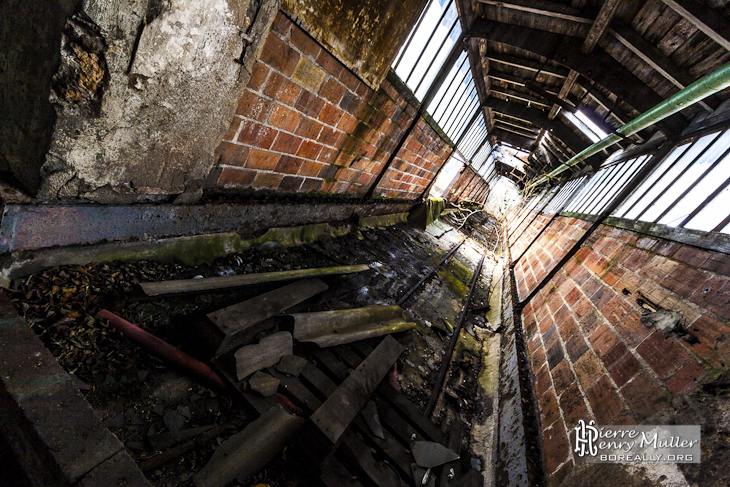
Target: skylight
585,125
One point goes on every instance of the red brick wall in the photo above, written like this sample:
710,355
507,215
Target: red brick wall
467,187
590,355
306,124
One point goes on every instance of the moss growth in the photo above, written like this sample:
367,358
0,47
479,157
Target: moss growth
453,283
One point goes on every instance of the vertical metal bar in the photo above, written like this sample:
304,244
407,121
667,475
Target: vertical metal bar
438,105
692,186
451,30
702,205
425,46
413,34
682,173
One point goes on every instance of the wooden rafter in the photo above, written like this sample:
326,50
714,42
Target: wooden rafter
538,7
709,21
527,64
564,91
599,27
598,66
519,96
655,59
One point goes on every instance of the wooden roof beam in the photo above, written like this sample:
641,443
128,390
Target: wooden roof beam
598,66
539,119
519,96
603,20
528,65
540,7
506,121
502,126
709,21
564,91
655,59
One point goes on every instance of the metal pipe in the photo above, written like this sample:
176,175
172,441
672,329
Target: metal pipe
716,81
446,361
164,350
431,271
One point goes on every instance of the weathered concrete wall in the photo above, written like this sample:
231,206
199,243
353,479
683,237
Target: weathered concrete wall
594,352
364,34
144,94
307,124
30,33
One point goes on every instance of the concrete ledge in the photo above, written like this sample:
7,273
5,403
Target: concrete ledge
52,430
30,227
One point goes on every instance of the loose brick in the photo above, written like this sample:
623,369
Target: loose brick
686,378
284,118
644,396
257,135
573,406
262,160
588,369
604,401
662,354
279,55
231,176
282,89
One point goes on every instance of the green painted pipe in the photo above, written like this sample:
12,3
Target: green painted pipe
716,81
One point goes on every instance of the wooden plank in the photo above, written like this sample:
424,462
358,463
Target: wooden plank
416,417
181,286
527,64
401,428
507,128
710,22
328,360
599,27
338,411
242,315
509,94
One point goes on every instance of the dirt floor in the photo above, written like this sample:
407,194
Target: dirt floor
152,407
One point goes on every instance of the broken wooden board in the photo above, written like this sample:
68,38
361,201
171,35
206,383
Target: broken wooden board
330,328
163,441
244,453
338,411
263,383
266,353
429,454
243,315
291,365
180,286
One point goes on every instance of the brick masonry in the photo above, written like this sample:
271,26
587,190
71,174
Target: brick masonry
306,124
468,187
590,355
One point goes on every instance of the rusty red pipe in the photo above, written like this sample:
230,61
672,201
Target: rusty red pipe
165,351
